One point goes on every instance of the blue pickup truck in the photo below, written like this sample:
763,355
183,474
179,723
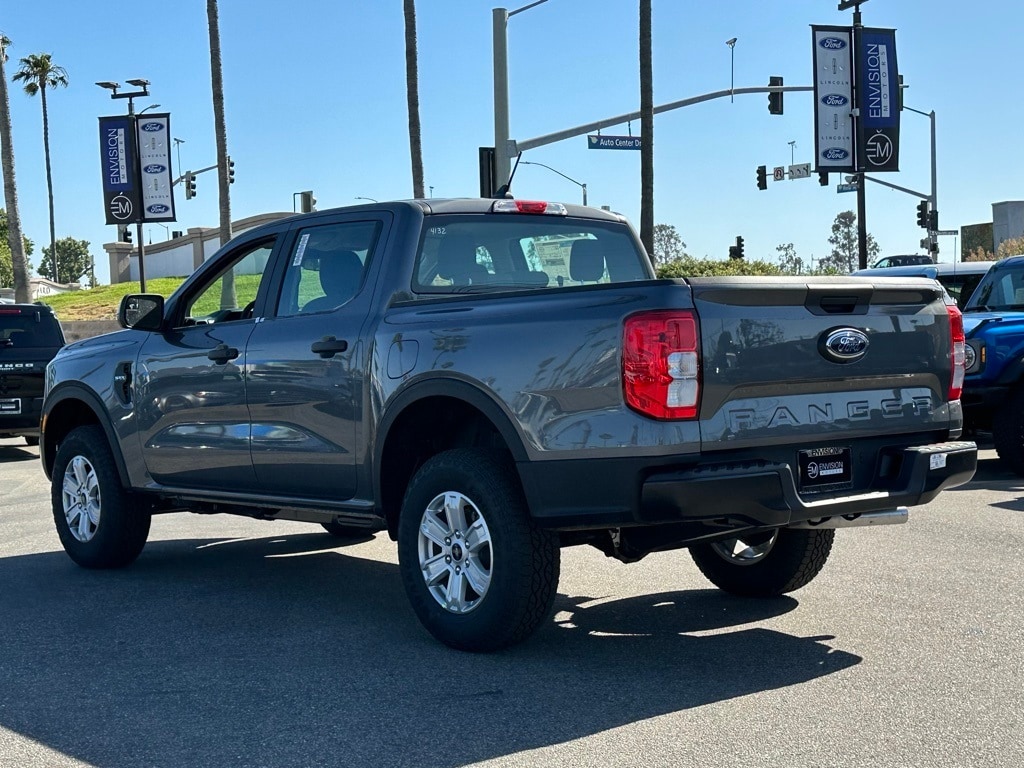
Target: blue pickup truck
490,381
993,395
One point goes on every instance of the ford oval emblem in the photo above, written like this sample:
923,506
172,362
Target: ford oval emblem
832,43
155,168
151,127
835,153
843,345
834,100
158,208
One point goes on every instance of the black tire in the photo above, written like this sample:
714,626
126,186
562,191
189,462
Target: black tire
95,520
771,564
32,439
512,561
346,531
1008,432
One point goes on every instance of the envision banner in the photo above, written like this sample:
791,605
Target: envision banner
833,99
154,132
878,99
120,180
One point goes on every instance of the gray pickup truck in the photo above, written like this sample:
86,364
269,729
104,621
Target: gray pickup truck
493,380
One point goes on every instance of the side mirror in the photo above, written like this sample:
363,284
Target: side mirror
141,311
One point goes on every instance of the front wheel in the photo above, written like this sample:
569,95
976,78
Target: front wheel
765,564
478,571
97,525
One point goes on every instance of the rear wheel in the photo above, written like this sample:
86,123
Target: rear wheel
765,564
1008,432
479,573
95,520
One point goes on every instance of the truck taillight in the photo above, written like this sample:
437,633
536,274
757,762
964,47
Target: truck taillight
661,364
957,355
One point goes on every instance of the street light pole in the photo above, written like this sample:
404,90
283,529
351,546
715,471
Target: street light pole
731,42
499,23
579,184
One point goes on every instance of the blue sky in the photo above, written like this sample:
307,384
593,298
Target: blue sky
315,99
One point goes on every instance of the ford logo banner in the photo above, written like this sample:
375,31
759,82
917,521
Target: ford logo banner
832,43
158,208
155,168
834,100
151,127
835,153
843,345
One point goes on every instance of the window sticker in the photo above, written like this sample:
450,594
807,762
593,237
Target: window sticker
301,250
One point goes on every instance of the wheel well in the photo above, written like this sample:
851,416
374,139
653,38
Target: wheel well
65,416
424,429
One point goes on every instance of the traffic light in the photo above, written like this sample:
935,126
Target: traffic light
231,170
775,97
736,251
307,203
933,220
190,185
922,214
762,177
823,178
126,235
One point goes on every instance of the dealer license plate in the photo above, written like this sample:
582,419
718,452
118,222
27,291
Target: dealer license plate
10,406
822,468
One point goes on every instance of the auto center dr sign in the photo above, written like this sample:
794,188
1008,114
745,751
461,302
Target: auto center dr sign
839,66
136,162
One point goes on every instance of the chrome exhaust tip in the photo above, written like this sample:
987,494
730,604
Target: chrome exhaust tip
896,516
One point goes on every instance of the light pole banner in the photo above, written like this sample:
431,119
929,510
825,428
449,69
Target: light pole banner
878,91
154,133
833,99
117,158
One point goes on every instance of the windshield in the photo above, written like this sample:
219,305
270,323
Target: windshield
500,252
1001,289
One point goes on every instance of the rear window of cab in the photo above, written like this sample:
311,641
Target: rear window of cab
29,328
499,252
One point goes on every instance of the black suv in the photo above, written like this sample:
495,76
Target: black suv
29,338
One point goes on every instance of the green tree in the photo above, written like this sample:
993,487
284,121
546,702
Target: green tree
73,261
789,262
668,245
38,72
412,92
15,240
845,256
6,260
228,298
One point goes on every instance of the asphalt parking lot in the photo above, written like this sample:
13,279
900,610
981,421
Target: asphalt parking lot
235,642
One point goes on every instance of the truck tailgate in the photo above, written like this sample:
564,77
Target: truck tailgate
791,359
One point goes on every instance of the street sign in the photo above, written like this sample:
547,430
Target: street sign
778,173
800,171
846,188
612,142
946,232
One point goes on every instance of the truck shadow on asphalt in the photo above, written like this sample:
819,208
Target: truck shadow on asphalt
292,650
10,453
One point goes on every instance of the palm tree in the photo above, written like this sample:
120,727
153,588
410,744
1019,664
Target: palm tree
412,87
646,131
227,298
14,238
38,72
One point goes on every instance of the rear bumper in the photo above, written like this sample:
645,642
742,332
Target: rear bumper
607,494
24,423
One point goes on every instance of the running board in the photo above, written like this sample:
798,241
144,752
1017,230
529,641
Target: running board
888,517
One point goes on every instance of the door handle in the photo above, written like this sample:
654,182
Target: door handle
328,346
222,353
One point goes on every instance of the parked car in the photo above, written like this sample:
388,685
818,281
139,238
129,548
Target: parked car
959,279
903,260
29,338
493,380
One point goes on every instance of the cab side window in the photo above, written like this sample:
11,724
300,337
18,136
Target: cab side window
232,293
326,266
